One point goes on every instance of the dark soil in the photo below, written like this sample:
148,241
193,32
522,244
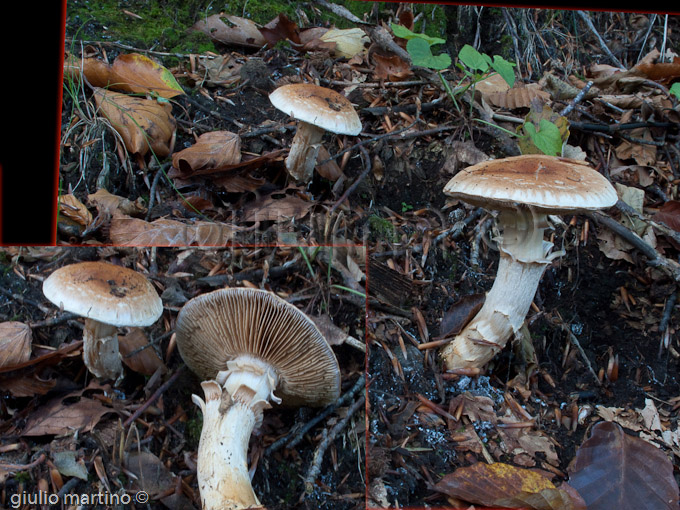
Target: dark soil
588,303
278,475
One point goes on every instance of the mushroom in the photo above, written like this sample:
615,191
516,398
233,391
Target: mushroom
525,190
108,296
245,344
317,109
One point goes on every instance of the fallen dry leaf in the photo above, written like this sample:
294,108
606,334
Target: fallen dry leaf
613,469
281,28
15,343
137,353
56,417
108,203
276,207
131,72
142,123
348,42
241,32
211,150
72,208
507,486
128,231
26,385
390,68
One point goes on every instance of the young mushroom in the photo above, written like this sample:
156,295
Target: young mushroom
108,296
525,190
247,344
317,109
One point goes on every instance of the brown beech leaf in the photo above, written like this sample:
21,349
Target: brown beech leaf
276,207
128,231
15,343
27,385
643,154
130,72
390,68
247,163
57,417
137,353
72,208
669,214
137,73
518,97
219,70
613,469
460,313
108,203
240,182
241,32
142,123
281,28
506,486
211,150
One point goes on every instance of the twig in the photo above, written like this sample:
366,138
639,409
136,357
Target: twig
579,97
574,340
585,17
154,397
654,258
348,191
295,436
328,438
154,185
668,311
662,227
23,467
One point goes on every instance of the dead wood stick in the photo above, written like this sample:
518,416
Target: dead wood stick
663,228
23,467
348,191
154,397
558,322
654,258
328,438
295,436
585,17
579,97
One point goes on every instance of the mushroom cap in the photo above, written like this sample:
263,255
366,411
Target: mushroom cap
218,326
104,292
319,106
549,184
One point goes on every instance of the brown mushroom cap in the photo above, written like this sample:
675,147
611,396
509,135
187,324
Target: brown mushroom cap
104,292
218,326
550,184
319,106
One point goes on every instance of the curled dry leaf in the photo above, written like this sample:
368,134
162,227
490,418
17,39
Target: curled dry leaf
72,208
241,32
507,486
137,353
615,470
348,42
219,70
107,203
131,72
460,313
212,150
281,28
15,343
142,123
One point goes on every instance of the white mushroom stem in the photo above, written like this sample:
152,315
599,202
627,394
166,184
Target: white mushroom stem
304,149
233,407
101,354
523,258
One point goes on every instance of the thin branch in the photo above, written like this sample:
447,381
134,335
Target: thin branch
585,17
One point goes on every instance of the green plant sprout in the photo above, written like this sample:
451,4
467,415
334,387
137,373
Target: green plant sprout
477,66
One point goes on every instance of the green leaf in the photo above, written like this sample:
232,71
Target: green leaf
504,68
675,89
405,33
473,59
421,55
548,138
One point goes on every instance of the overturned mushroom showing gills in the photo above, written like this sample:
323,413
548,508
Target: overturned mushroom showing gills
108,296
247,344
525,190
317,109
